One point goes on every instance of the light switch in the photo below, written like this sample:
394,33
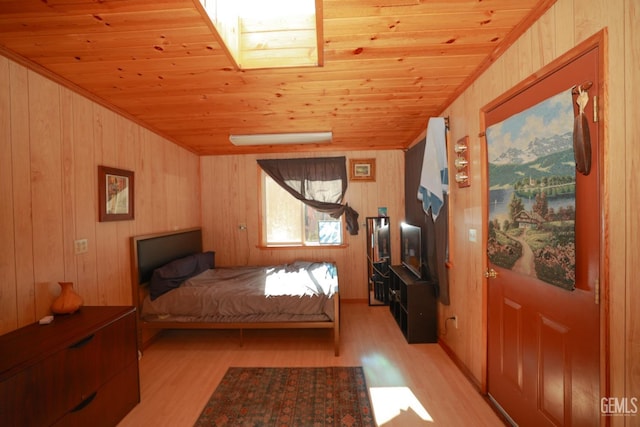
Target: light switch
472,235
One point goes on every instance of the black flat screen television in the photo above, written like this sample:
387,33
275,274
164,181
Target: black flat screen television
411,249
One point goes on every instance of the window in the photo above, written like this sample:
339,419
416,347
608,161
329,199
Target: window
286,221
269,34
319,185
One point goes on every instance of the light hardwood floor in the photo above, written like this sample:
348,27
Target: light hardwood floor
409,384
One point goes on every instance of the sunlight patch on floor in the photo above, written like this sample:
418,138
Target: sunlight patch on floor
391,399
390,402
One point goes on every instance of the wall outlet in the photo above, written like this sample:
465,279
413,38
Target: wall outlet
81,246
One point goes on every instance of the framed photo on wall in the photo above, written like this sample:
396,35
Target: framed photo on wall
362,169
115,194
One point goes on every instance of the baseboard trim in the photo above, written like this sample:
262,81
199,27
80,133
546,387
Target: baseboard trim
150,339
461,366
475,383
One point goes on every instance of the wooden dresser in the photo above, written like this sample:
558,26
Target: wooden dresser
80,370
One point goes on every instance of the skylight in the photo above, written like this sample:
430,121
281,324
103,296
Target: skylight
268,34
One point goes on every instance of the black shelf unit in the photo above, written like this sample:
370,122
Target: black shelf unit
379,283
412,303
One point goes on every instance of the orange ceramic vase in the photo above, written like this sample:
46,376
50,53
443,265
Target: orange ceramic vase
68,302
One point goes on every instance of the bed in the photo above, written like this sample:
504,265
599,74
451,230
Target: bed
299,295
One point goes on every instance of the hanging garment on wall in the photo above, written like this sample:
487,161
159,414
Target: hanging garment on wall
434,177
437,241
581,137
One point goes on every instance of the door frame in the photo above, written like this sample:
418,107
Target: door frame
598,40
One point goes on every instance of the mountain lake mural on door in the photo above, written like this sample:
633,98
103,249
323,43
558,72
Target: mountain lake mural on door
532,183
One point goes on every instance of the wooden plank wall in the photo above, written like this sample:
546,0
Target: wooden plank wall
51,142
228,203
564,26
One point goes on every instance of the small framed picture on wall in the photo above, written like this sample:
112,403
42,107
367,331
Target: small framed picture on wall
115,194
362,169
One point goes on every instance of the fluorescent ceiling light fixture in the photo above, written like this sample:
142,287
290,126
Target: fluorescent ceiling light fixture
268,34
282,138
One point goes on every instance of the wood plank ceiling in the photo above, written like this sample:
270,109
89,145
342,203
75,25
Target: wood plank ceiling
388,66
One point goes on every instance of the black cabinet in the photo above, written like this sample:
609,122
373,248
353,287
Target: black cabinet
378,259
412,303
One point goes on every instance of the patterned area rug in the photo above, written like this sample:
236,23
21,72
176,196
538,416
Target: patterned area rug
300,397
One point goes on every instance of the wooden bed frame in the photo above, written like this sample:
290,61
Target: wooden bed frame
154,250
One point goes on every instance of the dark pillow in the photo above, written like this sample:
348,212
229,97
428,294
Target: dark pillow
206,261
173,274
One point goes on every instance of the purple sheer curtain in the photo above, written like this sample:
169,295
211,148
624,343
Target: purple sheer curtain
303,179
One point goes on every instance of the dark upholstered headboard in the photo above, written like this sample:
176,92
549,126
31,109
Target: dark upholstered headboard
154,250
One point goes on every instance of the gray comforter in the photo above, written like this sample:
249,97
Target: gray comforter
301,291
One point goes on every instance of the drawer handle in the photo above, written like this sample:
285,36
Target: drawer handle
85,402
82,342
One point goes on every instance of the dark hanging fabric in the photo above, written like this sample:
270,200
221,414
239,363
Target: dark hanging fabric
301,178
434,233
438,250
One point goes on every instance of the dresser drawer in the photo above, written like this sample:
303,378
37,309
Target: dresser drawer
35,396
95,359
69,366
109,404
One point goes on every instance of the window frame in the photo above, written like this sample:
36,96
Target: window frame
262,233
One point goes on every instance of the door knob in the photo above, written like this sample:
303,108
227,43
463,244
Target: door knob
491,274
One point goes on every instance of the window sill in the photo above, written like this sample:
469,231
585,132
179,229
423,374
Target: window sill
270,247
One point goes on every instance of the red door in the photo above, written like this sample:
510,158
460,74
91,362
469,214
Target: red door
544,340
